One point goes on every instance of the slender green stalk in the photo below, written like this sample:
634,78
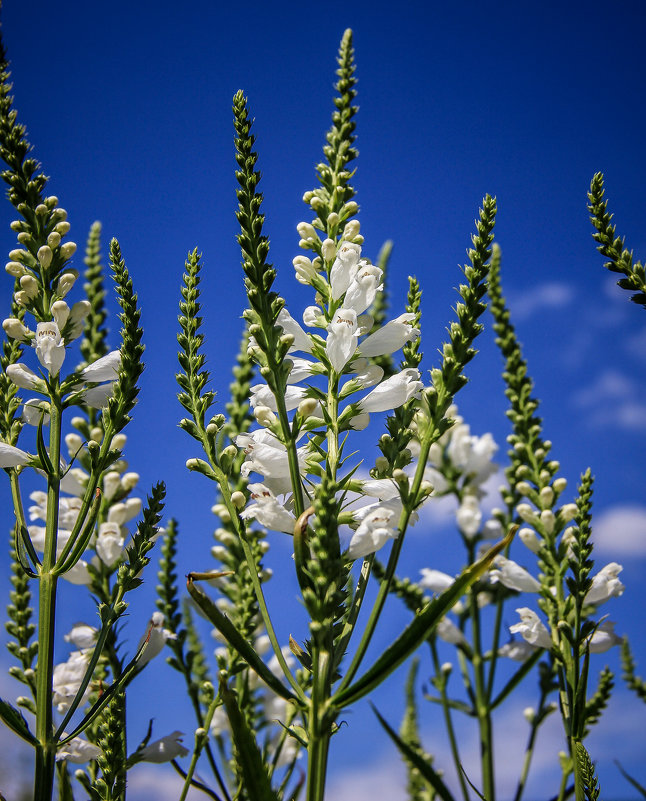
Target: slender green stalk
482,705
201,739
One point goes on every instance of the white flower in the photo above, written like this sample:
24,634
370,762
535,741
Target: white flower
301,368
529,539
267,510
50,348
393,392
11,456
365,373
109,543
447,630
605,584
471,454
290,326
342,338
513,576
156,635
344,268
261,395
104,369
531,629
518,650
121,513
391,337
98,397
34,411
78,751
82,636
469,516
23,377
365,284
67,680
267,456
435,580
378,526
604,638
164,749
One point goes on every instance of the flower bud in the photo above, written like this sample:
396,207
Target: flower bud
24,237
426,488
41,209
61,214
529,714
264,416
287,340
111,483
529,539
238,499
29,286
15,329
54,239
21,298
523,488
328,249
568,512
118,441
548,520
15,268
74,443
16,225
51,201
62,228
129,481
546,496
18,255
351,229
306,231
316,203
527,513
68,250
219,552
65,283
333,219
446,668
307,197
221,511
60,312
307,407
559,485
45,256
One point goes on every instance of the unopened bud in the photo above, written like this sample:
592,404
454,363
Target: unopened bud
568,512
16,225
446,668
523,488
111,483
61,214
15,268
333,219
238,499
68,250
548,520
24,237
29,286
45,256
54,239
426,488
97,434
547,496
15,329
60,312
65,283
307,197
18,254
307,407
41,209
559,485
400,477
74,443
51,201
287,340
381,463
529,714
351,229
129,481
264,416
62,228
328,249
221,511
306,231
529,539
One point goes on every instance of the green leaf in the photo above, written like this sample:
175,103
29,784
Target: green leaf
16,722
253,768
410,755
235,639
420,628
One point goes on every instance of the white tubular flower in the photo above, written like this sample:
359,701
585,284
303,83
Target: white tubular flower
301,368
157,636
360,421
65,283
391,337
604,638
469,516
605,585
11,456
35,410
164,749
393,392
383,488
109,543
268,510
290,326
435,580
447,630
67,680
16,330
23,377
436,479
513,576
121,513
104,369
365,373
111,483
344,268
261,395
531,629
472,454
78,751
375,529
82,636
313,317
365,285
342,338
50,348
305,270
98,397
518,650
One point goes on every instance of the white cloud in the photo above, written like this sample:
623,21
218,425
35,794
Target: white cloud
157,781
552,295
613,399
621,530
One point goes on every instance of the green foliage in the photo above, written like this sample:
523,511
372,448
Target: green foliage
94,342
620,259
636,683
590,782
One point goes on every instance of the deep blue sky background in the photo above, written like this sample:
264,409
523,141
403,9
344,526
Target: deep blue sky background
129,108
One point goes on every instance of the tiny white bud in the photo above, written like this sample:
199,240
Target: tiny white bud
15,268
523,488
45,256
264,416
118,441
16,225
18,254
15,329
29,286
68,250
62,228
381,463
529,714
41,209
308,196
529,539
60,213
24,237
65,283
306,231
547,496
351,229
307,407
426,488
559,484
129,481
446,668
60,312
219,552
548,520
332,219
568,512
527,513
54,239
238,499
328,249
51,201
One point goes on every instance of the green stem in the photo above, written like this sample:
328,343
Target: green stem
529,750
46,748
200,740
319,726
579,784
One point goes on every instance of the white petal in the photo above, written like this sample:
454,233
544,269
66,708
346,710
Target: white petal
104,369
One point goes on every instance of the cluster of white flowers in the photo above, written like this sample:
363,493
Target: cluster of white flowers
344,294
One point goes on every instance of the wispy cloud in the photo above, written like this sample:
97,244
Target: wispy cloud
551,295
613,399
621,530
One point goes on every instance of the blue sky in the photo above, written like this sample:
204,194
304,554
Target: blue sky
129,108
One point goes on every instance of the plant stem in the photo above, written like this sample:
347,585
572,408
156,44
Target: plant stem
46,748
482,701
319,726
